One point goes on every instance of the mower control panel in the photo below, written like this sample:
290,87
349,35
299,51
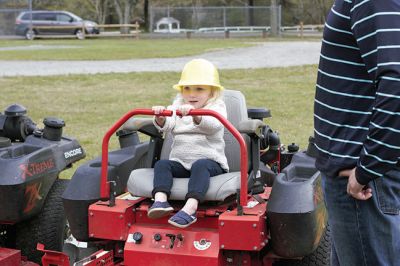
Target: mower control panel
171,240
154,243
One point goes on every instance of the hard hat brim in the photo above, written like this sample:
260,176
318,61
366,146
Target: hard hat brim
180,85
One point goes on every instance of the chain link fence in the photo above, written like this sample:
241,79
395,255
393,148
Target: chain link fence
194,18
7,20
189,18
9,10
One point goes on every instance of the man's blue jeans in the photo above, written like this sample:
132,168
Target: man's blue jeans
200,173
364,232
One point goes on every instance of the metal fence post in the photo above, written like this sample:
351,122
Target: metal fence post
280,19
30,19
151,19
274,18
224,16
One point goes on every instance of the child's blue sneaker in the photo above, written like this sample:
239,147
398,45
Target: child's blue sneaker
181,219
159,209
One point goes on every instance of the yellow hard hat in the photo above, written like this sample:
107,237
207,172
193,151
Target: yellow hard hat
199,72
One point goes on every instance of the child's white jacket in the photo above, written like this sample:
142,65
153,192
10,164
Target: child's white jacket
192,142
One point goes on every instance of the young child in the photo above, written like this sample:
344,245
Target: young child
198,145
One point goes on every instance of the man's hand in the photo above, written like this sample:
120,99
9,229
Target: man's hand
355,189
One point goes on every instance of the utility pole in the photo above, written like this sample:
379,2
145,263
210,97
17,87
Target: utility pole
30,17
274,18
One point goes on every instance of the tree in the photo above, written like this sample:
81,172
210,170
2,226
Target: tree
124,10
101,7
48,4
307,11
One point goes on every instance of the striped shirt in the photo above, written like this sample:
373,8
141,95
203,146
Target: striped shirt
357,100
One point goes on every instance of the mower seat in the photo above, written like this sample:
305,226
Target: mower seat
140,181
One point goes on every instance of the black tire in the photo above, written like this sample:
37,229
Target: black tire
79,34
320,256
48,228
30,34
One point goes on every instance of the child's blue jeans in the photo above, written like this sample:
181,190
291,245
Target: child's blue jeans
364,233
200,173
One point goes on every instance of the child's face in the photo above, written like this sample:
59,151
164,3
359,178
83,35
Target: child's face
197,95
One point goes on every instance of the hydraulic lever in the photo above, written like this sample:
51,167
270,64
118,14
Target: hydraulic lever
172,238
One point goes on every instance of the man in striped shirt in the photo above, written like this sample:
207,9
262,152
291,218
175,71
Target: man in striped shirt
357,130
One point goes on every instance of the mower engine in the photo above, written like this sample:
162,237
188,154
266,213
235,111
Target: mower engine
14,124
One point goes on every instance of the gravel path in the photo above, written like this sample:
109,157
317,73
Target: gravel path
274,54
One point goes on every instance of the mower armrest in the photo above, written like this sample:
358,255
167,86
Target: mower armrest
143,125
137,123
251,127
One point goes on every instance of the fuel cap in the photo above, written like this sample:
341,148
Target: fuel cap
54,122
15,110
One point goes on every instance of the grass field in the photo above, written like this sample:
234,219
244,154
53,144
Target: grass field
90,104
116,49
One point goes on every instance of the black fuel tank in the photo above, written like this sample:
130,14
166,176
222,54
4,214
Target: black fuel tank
296,211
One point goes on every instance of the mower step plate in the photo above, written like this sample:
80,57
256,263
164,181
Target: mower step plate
101,257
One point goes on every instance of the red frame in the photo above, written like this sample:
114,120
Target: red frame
105,186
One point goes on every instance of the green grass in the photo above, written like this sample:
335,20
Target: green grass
90,104
116,49
120,49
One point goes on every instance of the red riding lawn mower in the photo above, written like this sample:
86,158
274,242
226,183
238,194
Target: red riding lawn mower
268,210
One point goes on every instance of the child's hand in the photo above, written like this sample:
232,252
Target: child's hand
160,120
185,109
158,109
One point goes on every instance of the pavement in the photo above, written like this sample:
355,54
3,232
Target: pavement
266,55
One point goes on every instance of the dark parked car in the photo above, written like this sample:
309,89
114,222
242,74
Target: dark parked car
55,19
